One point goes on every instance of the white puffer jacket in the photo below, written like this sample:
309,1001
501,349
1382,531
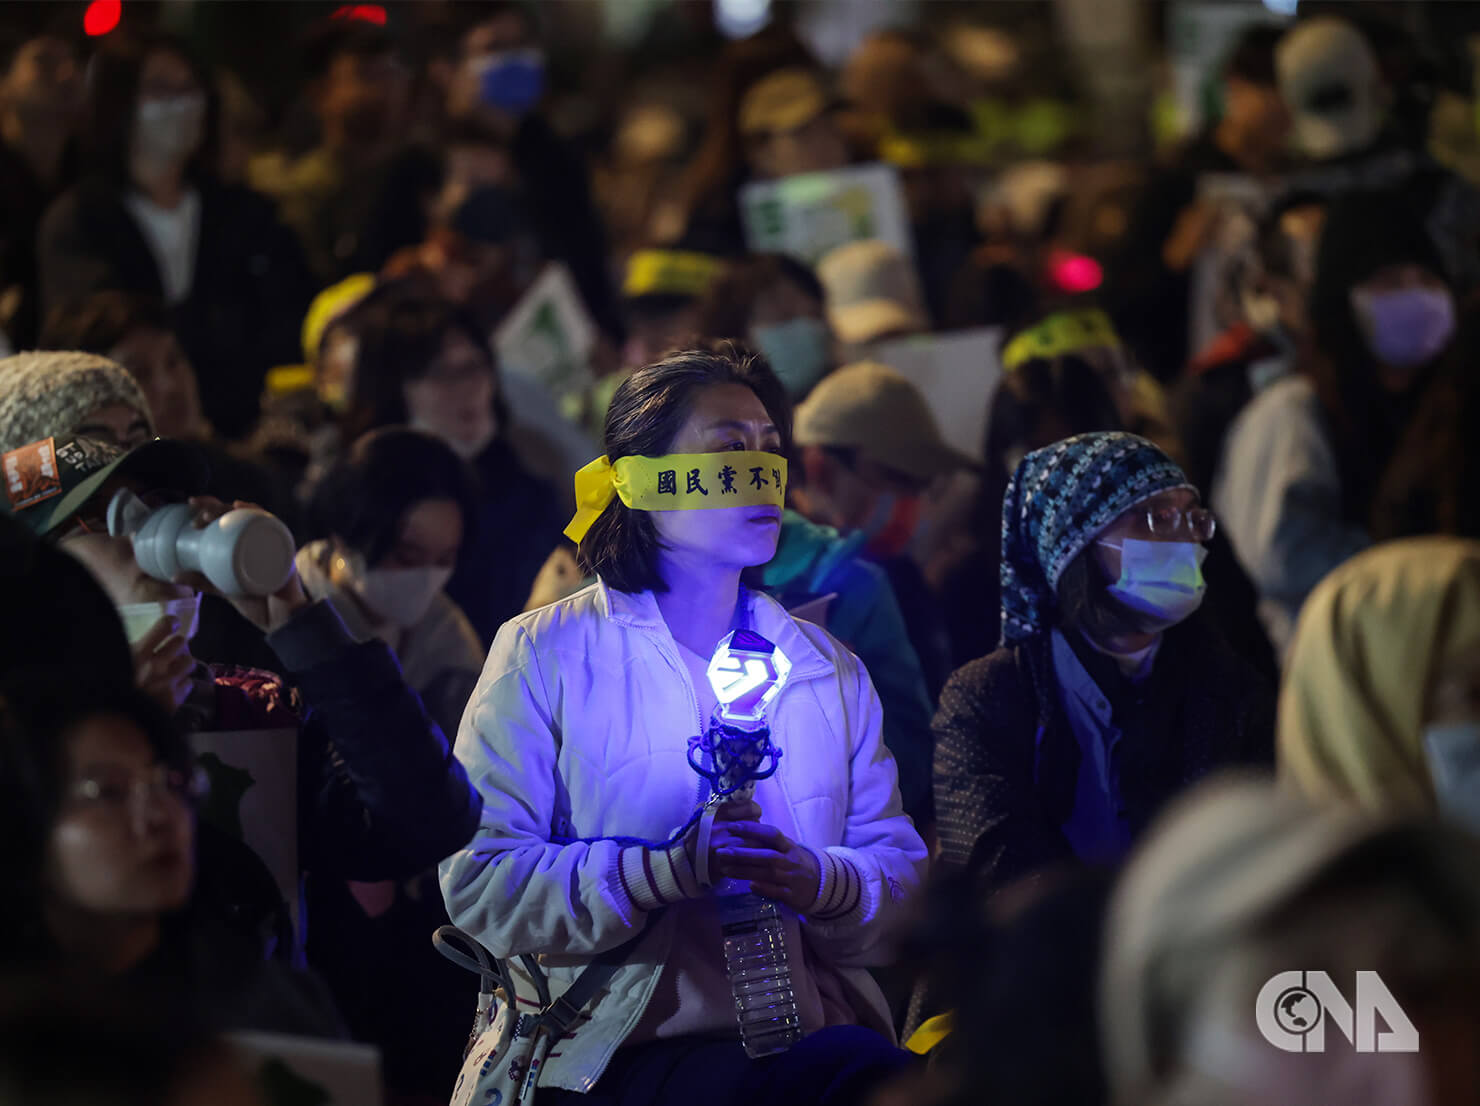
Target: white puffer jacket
579,728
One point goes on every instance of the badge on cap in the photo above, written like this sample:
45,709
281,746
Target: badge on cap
31,474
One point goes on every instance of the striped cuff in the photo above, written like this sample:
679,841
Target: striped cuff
656,877
839,891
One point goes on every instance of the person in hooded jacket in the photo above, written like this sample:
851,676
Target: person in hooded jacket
1110,692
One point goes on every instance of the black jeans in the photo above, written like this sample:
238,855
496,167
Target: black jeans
838,1066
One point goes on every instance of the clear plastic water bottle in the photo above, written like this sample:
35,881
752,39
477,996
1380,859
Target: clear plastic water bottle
747,672
760,976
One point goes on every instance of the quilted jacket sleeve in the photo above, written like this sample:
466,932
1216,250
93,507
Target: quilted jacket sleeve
512,887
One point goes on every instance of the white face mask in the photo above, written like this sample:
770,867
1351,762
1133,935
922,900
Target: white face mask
400,596
1454,766
169,131
1160,580
138,618
466,448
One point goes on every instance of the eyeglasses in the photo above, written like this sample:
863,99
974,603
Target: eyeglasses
117,791
1167,522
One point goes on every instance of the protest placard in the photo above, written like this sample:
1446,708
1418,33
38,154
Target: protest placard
811,213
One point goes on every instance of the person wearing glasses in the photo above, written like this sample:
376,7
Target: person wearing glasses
1108,693
98,836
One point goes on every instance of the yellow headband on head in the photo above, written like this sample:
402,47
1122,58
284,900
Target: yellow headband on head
678,482
1062,332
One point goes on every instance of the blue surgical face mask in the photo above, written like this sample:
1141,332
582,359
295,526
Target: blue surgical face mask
797,350
1453,753
1406,327
512,81
1160,580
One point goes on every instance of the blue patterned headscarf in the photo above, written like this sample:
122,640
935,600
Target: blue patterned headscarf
1058,501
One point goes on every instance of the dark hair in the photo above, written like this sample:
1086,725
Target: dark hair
646,413
401,333
1082,601
727,309
1364,233
99,322
1252,57
52,607
111,101
386,473
39,707
335,38
59,25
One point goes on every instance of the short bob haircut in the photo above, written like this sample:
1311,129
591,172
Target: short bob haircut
112,99
401,330
646,414
363,500
39,710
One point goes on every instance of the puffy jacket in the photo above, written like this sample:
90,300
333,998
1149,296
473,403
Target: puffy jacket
814,561
578,729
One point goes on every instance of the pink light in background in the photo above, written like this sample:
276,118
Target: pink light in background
1075,272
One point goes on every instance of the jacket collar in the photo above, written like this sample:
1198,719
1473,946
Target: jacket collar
639,610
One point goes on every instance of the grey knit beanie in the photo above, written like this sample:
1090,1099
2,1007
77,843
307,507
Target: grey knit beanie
46,395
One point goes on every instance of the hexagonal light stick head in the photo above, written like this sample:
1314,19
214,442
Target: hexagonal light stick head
747,672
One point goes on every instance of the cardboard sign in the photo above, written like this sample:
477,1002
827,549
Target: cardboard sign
811,213
310,1069
958,373
549,335
253,797
1239,202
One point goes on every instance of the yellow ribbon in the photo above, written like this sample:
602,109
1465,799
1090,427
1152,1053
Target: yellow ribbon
678,482
1062,332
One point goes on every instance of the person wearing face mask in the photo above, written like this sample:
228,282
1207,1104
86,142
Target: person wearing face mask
1108,694
1302,463
395,514
498,82
1380,705
40,93
775,303
870,451
423,363
377,796
150,217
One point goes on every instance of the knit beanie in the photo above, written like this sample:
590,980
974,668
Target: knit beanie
46,395
1058,501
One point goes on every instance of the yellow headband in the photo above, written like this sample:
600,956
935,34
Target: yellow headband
1062,332
678,482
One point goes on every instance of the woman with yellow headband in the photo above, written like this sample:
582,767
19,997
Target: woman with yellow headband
577,738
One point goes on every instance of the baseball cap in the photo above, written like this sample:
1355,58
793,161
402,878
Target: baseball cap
875,410
51,480
1222,859
781,102
871,291
1330,81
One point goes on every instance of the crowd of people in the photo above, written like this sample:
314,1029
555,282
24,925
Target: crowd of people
329,621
